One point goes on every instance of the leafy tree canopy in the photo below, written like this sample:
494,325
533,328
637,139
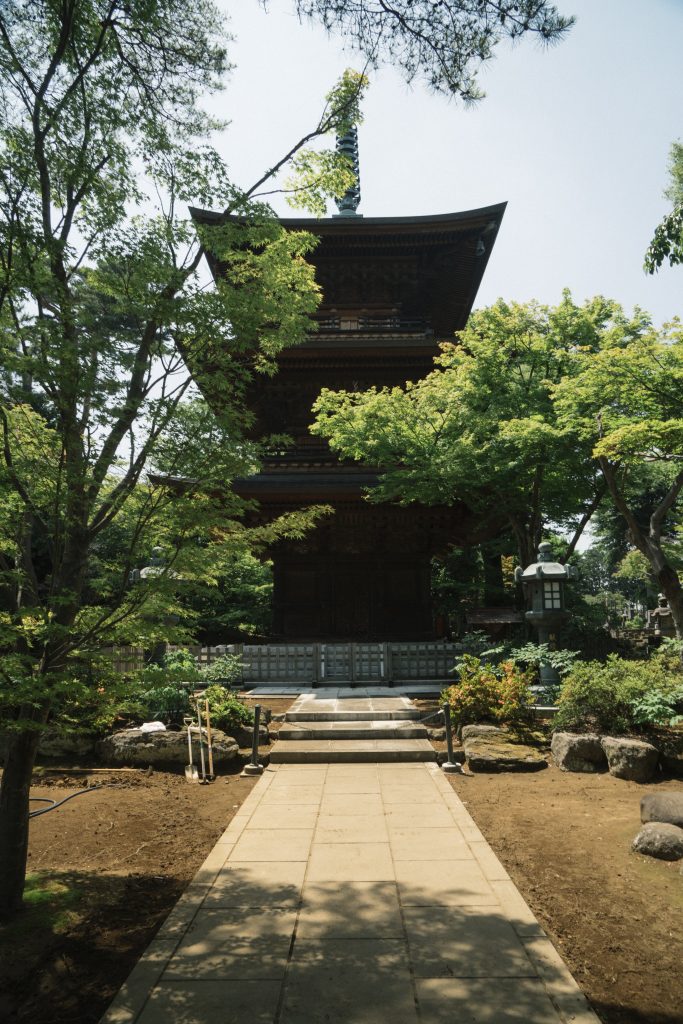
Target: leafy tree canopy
626,400
667,241
482,427
103,307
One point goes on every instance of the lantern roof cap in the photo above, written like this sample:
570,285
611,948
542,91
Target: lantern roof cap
545,568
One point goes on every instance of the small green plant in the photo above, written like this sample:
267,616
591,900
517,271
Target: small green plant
227,711
533,654
484,693
477,644
656,708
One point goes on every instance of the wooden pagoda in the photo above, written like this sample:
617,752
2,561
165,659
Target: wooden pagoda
393,288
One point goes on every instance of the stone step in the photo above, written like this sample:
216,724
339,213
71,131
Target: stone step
357,729
334,751
327,708
353,716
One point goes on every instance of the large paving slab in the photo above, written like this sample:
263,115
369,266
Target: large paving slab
351,894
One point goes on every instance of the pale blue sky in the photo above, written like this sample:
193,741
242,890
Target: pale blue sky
575,138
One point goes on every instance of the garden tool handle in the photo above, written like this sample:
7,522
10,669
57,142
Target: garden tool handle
208,737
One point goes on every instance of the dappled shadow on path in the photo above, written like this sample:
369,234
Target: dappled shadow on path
263,946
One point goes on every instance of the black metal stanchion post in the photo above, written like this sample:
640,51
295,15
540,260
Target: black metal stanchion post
254,768
450,765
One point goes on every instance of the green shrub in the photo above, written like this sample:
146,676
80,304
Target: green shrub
180,663
226,669
514,694
484,693
162,691
619,696
227,711
670,654
165,702
176,667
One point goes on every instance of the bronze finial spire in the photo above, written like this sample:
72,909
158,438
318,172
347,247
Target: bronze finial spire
347,145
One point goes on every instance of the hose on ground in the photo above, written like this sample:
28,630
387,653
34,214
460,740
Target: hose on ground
56,803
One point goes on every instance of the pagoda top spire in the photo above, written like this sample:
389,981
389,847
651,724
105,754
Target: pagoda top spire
347,145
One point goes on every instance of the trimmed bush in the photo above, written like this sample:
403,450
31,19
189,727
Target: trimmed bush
484,693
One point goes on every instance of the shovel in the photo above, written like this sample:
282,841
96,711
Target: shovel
209,744
201,744
191,773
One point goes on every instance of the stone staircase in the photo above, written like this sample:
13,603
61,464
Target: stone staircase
318,729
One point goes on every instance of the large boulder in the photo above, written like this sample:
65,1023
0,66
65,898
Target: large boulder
657,839
630,759
469,732
667,807
578,753
244,734
54,743
133,747
500,754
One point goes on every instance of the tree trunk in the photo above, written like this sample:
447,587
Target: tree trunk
22,746
14,820
650,545
494,589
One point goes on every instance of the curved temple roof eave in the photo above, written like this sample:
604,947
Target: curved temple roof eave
453,250
361,224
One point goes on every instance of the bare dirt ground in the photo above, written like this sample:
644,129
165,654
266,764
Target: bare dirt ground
616,916
114,862
105,870
108,866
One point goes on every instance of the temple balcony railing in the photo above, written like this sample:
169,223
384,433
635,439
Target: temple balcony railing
373,324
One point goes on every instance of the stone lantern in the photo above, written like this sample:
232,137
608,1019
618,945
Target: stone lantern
661,619
544,582
155,567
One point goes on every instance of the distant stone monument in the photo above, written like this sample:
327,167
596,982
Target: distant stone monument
661,620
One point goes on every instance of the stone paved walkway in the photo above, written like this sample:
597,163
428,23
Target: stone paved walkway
351,894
